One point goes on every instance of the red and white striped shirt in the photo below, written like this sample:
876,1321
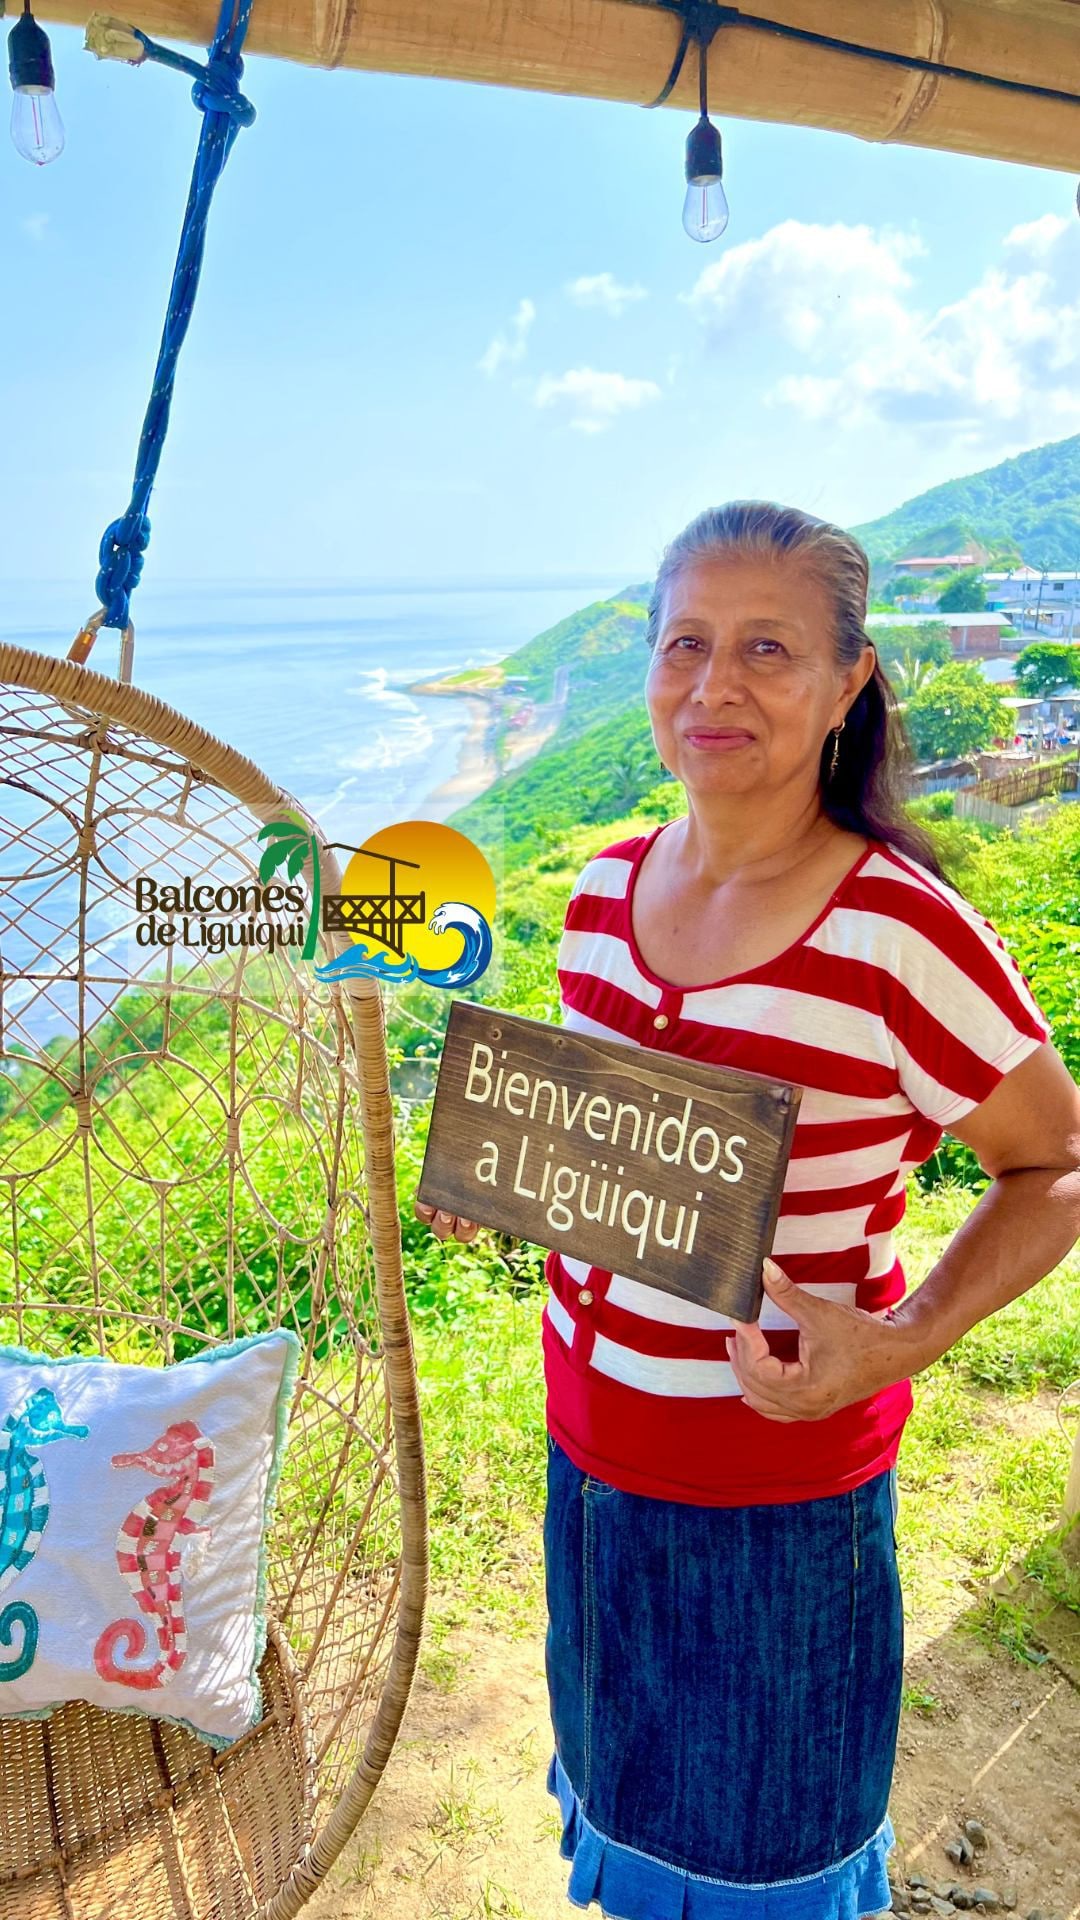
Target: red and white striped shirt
897,1012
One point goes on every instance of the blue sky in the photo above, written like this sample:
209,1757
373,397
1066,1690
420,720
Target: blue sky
450,331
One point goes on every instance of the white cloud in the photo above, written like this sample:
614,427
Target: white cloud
812,395
595,399
603,290
805,282
34,225
1039,236
501,349
1006,352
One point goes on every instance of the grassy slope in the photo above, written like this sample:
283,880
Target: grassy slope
591,637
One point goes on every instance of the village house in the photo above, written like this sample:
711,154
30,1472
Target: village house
1048,603
970,634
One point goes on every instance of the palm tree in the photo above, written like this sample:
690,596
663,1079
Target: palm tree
908,673
630,773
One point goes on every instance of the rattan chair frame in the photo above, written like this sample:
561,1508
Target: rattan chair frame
114,701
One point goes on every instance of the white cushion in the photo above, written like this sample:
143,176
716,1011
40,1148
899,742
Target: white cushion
133,1507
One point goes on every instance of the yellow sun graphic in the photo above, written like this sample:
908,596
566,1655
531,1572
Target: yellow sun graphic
447,866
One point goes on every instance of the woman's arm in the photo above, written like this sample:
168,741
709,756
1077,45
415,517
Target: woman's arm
1026,1136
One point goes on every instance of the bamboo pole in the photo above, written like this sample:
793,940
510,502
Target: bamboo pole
1072,1491
607,49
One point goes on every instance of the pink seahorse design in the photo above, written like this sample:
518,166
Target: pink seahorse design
148,1555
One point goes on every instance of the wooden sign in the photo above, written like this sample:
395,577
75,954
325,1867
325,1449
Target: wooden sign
644,1163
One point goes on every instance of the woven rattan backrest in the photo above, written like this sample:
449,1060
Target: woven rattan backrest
195,1146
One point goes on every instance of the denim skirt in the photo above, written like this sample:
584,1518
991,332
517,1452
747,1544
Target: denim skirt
725,1697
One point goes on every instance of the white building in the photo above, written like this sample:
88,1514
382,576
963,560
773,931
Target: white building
1047,602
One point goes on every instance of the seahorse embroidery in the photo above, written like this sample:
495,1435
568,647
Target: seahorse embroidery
148,1555
24,1511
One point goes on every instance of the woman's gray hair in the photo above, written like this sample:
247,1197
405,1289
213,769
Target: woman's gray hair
866,793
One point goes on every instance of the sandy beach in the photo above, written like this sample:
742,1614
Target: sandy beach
476,769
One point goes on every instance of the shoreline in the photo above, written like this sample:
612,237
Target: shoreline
484,681
443,689
476,770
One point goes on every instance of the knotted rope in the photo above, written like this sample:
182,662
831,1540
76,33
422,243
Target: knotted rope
216,93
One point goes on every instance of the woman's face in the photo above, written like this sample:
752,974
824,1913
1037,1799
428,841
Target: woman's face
742,686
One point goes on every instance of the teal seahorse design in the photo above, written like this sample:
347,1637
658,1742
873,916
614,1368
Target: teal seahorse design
24,1511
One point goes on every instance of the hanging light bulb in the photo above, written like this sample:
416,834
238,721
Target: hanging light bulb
705,209
36,127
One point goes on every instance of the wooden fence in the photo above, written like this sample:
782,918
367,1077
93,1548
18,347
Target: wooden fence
995,799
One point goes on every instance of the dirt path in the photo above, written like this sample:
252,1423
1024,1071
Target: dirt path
462,1827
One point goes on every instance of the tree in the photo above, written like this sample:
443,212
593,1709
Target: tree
626,774
964,593
911,655
1047,664
909,673
289,844
928,641
956,712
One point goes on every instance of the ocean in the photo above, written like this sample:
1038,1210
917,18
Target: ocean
310,682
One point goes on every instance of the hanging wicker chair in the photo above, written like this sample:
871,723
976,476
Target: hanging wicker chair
195,1146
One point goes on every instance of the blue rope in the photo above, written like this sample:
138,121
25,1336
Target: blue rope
217,95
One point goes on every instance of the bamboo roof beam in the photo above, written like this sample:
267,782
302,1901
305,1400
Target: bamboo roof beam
623,49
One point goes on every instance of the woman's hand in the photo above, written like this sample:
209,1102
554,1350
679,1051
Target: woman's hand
844,1355
446,1226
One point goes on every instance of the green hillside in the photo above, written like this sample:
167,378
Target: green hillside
598,775
1030,504
601,760
594,631
605,643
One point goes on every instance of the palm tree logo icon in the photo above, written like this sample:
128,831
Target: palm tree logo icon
380,915
289,845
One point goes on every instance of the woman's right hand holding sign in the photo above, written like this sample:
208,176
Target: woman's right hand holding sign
446,1226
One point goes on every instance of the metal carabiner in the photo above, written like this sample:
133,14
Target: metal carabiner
79,651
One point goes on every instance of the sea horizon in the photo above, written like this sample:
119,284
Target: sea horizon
77,585
318,697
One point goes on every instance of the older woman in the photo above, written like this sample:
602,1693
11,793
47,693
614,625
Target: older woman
725,1648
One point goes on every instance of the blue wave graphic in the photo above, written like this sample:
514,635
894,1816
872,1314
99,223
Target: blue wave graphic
361,960
473,961
476,952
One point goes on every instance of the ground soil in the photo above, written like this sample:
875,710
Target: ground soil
462,1828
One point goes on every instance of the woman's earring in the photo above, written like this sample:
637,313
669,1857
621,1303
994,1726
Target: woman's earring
837,731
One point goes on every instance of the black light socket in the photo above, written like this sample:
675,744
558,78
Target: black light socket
29,54
704,160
